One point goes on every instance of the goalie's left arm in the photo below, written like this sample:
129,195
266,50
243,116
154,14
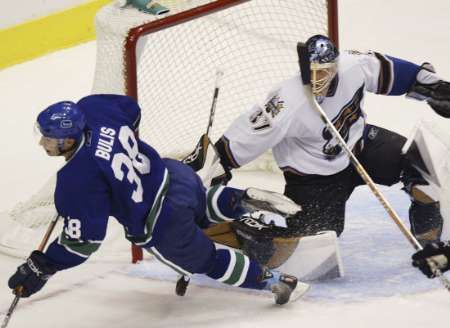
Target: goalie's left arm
391,76
431,88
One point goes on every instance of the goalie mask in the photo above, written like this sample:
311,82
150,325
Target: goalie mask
318,63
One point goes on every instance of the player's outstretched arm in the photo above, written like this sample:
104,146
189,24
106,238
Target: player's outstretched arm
32,275
431,88
436,253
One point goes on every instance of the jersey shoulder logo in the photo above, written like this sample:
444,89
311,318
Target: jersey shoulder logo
259,121
274,106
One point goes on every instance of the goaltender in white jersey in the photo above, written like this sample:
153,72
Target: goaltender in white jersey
318,173
290,126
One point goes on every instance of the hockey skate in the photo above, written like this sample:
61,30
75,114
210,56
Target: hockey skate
262,200
284,287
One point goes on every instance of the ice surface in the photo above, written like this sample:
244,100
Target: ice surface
380,288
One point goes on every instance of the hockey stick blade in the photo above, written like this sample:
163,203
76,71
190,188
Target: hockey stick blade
197,158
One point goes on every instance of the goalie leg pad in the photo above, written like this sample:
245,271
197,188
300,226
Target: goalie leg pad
313,257
317,257
424,213
267,244
222,233
426,221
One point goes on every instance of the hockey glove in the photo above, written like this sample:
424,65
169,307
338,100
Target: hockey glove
428,86
437,253
32,275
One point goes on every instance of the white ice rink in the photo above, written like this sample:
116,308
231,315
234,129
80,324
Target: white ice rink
380,288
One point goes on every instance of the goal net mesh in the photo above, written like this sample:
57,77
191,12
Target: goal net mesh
253,43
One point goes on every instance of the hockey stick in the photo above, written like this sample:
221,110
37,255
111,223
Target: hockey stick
18,290
368,180
197,160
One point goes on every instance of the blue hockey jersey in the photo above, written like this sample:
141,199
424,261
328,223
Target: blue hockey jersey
112,173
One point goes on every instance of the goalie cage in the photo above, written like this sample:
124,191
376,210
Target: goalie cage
168,63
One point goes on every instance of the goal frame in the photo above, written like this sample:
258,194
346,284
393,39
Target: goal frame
134,34
130,57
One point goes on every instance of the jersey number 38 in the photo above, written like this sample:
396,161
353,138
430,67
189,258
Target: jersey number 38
134,161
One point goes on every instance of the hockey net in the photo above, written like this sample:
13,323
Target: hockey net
169,63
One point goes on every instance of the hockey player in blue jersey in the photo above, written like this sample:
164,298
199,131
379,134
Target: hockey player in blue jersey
161,203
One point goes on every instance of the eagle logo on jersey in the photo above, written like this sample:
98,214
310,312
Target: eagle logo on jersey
274,106
348,116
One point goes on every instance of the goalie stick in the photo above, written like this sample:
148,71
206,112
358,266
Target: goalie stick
18,290
368,180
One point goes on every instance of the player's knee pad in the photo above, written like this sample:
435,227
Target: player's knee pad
426,221
424,213
414,183
411,178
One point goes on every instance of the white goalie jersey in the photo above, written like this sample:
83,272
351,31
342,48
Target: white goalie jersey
290,126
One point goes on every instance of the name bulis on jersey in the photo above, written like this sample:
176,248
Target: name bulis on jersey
105,143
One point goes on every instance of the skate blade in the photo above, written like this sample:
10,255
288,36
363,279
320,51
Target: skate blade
301,289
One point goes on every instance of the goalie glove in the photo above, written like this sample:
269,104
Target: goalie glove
428,86
32,275
436,253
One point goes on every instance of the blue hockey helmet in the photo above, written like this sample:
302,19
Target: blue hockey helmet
61,120
318,62
321,49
